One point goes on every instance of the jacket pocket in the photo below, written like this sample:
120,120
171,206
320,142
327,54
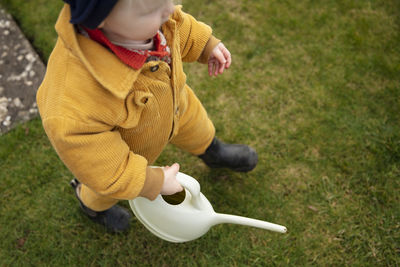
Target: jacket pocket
142,110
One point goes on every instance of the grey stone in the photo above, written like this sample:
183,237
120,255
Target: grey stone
21,72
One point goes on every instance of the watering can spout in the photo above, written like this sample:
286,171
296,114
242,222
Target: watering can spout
227,218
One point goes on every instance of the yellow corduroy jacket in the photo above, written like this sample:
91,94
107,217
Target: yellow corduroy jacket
107,121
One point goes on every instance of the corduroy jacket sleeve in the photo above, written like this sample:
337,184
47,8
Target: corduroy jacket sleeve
196,40
99,158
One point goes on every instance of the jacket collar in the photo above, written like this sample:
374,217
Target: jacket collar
103,65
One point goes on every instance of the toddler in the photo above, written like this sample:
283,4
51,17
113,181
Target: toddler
115,94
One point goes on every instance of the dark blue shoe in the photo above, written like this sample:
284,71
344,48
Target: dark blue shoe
240,158
115,219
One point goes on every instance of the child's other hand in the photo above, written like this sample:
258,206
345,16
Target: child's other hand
171,185
219,60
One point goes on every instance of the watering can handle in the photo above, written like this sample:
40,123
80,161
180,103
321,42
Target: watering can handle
193,186
189,183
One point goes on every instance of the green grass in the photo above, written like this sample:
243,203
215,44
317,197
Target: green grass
314,87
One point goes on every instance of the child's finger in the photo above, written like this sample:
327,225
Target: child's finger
175,167
226,54
210,67
220,56
228,57
221,68
216,68
213,67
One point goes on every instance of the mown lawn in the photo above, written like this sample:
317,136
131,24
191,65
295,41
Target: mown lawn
314,87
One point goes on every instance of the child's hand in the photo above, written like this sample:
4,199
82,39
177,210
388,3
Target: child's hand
219,60
171,185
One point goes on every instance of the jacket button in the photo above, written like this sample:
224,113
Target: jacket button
154,68
145,100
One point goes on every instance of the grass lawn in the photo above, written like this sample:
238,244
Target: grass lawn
314,88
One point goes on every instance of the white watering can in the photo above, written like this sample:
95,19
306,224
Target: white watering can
190,219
